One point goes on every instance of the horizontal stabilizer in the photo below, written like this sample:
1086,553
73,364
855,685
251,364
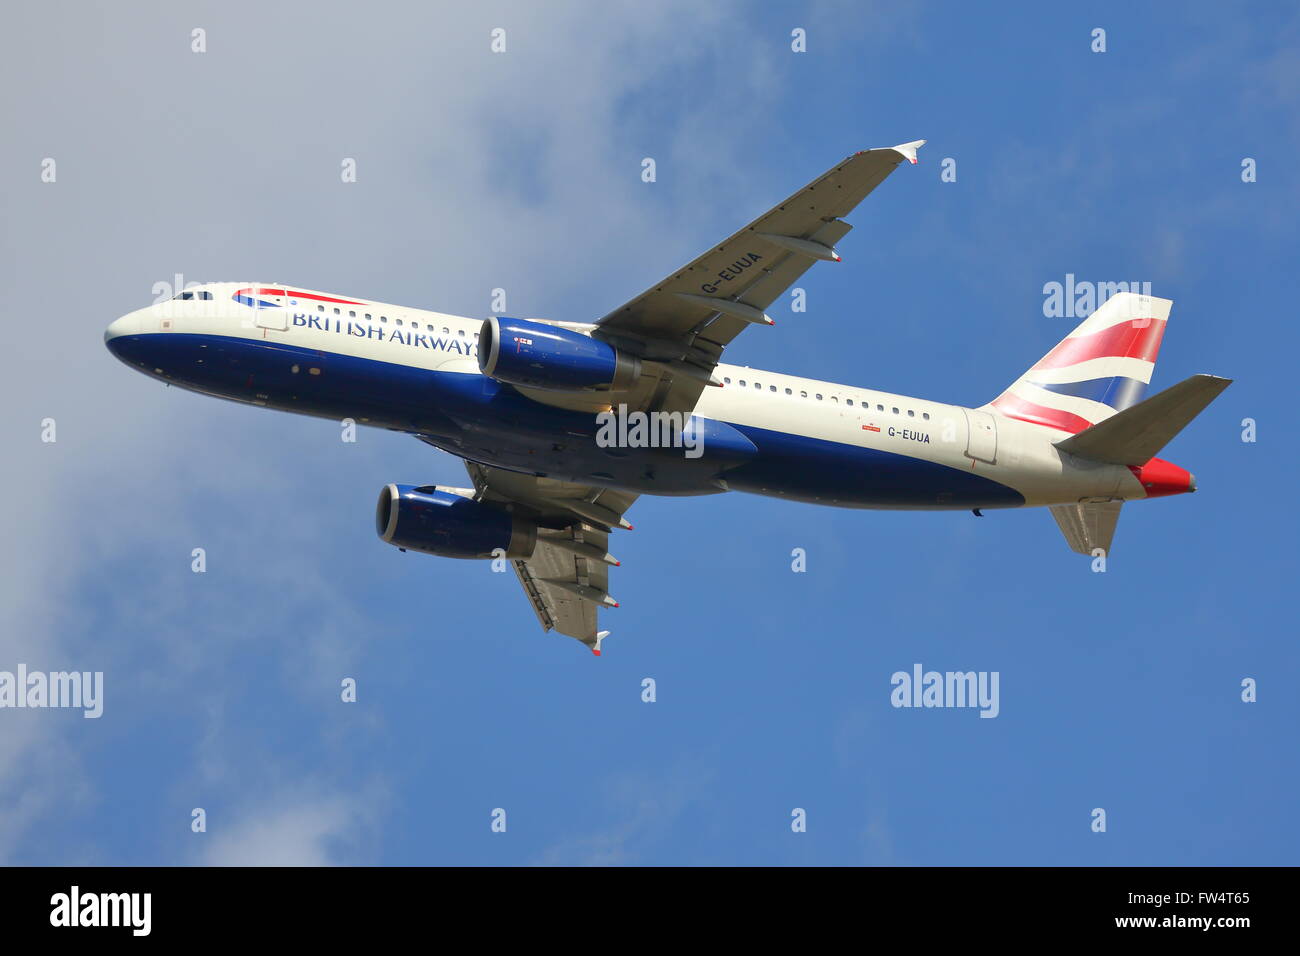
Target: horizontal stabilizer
1135,435
1088,525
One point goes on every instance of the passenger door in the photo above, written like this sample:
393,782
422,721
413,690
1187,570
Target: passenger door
275,314
981,436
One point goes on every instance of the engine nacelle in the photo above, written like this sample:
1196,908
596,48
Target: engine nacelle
449,523
538,355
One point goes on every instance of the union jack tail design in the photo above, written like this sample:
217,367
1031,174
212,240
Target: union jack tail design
1100,368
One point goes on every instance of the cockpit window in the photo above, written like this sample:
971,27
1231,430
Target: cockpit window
201,294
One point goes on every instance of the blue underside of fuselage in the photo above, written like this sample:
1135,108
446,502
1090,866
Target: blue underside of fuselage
478,418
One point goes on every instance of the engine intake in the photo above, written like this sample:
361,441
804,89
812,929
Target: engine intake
449,523
543,356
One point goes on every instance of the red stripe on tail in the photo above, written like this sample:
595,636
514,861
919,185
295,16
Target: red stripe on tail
1013,406
1130,339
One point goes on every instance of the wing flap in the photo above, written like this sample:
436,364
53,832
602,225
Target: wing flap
566,578
558,609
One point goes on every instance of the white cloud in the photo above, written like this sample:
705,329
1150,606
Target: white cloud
295,829
645,807
474,172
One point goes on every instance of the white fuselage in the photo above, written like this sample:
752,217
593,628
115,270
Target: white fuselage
809,413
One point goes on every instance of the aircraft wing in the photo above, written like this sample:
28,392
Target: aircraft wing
686,319
567,577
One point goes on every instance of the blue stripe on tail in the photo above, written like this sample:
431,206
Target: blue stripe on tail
1118,391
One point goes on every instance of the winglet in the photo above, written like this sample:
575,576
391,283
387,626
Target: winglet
908,150
600,636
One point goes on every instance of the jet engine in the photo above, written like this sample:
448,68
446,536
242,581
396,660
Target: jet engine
537,355
450,523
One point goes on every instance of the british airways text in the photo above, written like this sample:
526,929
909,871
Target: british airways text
363,330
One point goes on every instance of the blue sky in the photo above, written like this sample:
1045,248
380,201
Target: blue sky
522,171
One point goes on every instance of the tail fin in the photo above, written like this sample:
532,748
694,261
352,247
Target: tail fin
1136,435
1100,368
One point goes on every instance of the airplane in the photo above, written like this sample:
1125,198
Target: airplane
527,404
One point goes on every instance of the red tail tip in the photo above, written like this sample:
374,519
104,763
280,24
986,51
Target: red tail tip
1160,478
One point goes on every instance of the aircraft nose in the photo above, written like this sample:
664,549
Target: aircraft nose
128,324
124,338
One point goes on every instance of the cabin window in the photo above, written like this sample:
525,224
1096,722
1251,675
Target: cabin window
743,383
429,327
758,385
771,388
320,308
926,416
819,396
367,316
461,333
911,414
399,321
803,394
351,314
727,379
337,311
895,411
880,408
788,392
